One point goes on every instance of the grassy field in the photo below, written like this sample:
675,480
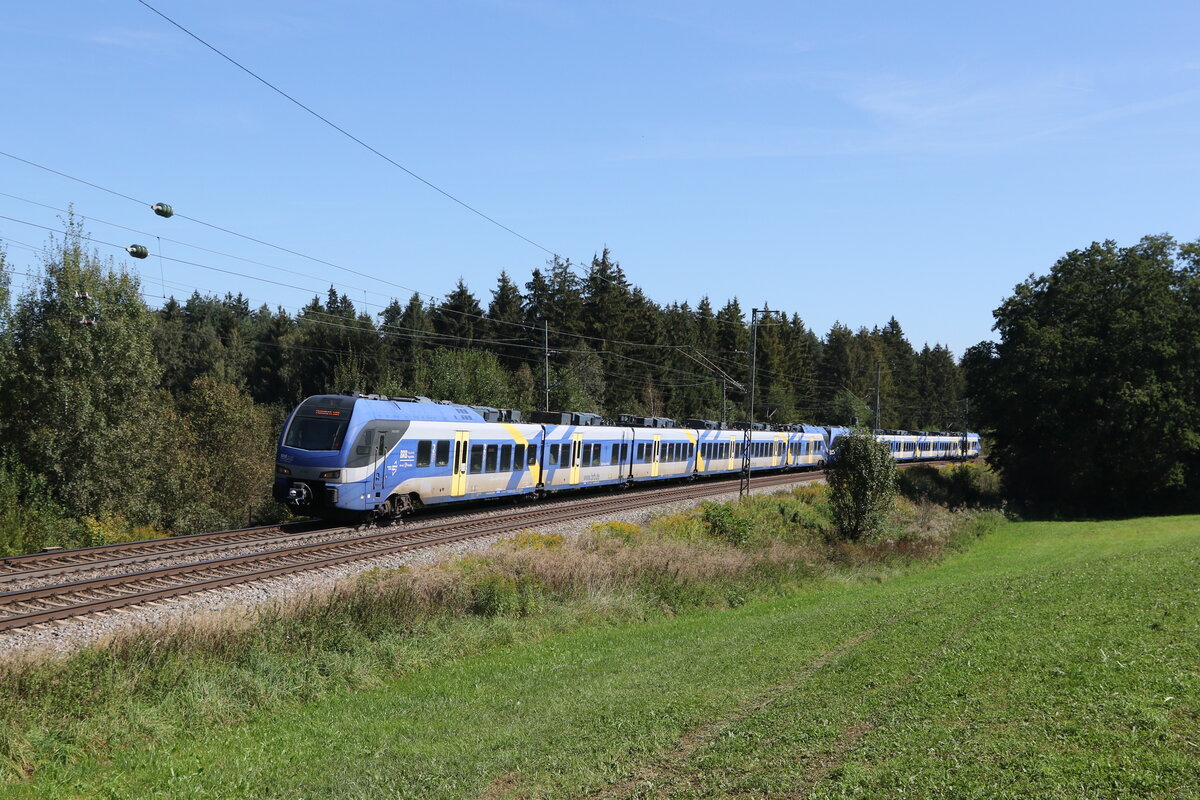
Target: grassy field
1049,660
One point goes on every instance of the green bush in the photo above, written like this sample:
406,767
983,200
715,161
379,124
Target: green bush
862,482
958,487
724,524
29,521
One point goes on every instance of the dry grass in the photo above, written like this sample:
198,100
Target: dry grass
384,623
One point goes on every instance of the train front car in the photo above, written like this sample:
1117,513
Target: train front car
361,457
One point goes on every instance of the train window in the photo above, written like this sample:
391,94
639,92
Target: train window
553,454
587,455
424,452
597,454
564,456
615,456
519,457
531,455
307,433
476,458
443,453
505,458
490,462
624,452
641,451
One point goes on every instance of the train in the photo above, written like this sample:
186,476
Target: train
369,457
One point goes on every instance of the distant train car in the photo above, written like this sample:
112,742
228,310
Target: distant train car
663,453
585,455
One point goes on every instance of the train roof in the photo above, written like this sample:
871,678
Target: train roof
380,407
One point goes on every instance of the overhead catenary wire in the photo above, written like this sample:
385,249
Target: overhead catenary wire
346,133
482,317
455,341
318,260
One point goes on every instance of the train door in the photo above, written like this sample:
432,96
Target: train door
654,455
458,467
576,451
380,459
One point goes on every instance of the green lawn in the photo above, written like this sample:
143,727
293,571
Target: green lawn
1051,660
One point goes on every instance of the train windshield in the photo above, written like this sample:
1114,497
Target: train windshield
308,433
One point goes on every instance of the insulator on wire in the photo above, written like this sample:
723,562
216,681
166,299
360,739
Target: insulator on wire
163,210
82,296
137,250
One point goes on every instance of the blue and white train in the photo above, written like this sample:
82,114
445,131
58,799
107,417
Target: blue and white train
364,456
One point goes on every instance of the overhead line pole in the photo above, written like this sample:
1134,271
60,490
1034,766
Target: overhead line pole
747,441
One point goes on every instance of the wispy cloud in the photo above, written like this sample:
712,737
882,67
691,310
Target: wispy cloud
879,114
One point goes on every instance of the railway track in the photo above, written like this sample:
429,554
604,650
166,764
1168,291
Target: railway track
41,604
105,556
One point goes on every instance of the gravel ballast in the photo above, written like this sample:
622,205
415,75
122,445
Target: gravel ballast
241,601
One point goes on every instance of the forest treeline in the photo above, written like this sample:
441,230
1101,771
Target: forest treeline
123,421
1091,397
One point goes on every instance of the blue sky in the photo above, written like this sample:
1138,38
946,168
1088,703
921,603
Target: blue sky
844,161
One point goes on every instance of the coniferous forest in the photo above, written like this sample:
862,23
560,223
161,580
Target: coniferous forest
125,421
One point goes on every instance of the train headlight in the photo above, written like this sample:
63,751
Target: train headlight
282,470
332,475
